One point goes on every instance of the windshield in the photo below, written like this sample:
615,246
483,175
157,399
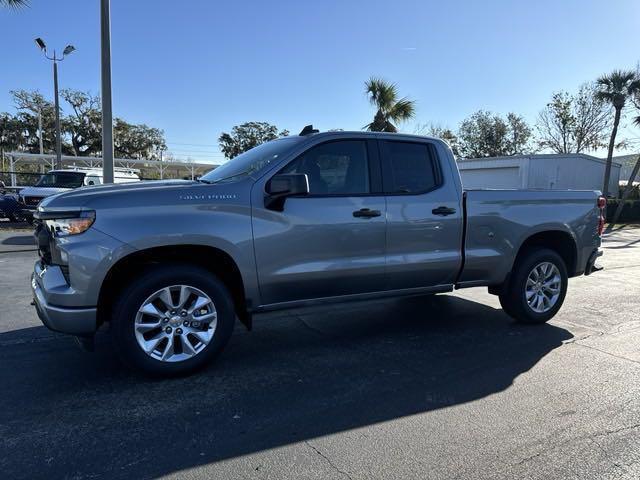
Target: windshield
61,180
251,161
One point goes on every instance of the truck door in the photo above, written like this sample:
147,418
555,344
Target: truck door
331,242
424,217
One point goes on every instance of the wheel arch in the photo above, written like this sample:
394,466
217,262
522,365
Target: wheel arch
560,241
213,259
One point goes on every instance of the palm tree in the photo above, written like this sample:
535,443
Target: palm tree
384,96
13,3
616,88
636,169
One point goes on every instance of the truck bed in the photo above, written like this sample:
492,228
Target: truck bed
498,222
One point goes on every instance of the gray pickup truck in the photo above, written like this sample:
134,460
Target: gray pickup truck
317,217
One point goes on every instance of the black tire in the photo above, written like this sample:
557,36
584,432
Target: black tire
15,218
513,299
151,280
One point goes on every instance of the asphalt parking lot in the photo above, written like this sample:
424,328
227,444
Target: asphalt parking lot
424,387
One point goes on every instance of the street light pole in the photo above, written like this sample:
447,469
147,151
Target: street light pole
40,129
107,114
40,139
67,50
57,107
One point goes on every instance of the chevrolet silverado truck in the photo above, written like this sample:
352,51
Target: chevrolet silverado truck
318,217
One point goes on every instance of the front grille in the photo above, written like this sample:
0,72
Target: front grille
32,201
43,241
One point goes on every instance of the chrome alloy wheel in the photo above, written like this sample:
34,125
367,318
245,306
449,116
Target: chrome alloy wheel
175,323
544,285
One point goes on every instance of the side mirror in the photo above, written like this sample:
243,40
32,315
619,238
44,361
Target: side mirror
282,186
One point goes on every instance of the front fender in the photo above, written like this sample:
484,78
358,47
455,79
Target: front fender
226,227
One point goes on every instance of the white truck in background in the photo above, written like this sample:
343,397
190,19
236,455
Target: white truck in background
58,181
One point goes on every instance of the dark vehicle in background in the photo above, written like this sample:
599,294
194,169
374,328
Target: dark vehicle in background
9,206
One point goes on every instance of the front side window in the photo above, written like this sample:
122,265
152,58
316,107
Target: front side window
335,168
412,167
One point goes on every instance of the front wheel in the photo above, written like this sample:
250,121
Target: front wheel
16,218
172,320
537,287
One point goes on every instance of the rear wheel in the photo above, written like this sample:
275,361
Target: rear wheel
172,320
537,287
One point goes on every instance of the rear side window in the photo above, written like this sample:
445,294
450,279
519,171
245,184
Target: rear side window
335,168
411,168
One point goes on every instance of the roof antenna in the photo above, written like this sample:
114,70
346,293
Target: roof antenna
308,130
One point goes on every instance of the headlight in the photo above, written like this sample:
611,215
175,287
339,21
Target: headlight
63,227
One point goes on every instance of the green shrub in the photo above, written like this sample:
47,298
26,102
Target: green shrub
635,192
630,211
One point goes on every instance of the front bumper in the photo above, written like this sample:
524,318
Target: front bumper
25,212
74,321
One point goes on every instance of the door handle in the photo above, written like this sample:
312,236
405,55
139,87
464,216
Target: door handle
443,211
366,213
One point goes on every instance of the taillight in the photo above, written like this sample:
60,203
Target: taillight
602,203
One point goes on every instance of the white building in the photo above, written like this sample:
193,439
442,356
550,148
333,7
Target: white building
627,162
574,171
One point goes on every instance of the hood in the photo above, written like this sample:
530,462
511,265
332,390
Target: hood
41,192
122,194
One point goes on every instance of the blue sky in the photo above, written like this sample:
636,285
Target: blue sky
196,68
